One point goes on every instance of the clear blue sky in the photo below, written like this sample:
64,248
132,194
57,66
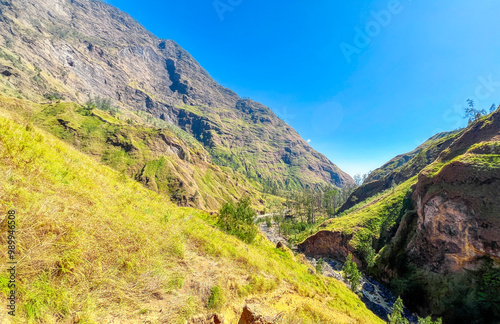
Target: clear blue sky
405,81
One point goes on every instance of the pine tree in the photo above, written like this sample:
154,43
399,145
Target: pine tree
351,273
397,316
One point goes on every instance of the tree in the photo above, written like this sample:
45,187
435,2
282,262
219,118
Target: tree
351,273
102,104
471,113
359,179
428,320
330,200
319,266
397,316
493,108
369,254
238,219
278,220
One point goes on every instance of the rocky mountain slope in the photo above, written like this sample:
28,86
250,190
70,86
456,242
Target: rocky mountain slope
401,168
82,48
435,235
164,159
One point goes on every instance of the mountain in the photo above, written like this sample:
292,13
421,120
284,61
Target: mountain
435,235
94,246
401,168
115,148
164,159
78,49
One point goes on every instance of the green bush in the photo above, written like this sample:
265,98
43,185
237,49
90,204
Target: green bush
238,220
53,96
216,298
428,320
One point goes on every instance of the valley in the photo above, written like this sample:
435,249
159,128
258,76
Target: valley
146,192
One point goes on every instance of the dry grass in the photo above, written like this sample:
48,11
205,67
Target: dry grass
97,247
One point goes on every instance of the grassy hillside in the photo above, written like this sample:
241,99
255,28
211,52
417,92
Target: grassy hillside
430,149
163,157
401,168
375,219
95,246
372,222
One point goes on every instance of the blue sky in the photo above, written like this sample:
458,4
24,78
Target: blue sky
363,81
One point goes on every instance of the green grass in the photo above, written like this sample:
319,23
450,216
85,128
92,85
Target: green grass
370,219
136,150
417,159
216,298
482,157
96,246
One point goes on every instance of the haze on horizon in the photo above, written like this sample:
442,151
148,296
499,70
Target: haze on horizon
360,82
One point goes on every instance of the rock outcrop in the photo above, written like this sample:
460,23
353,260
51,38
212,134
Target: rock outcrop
250,315
458,203
328,244
207,319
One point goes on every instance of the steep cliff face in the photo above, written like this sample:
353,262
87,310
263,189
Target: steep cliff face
452,237
458,202
333,244
79,48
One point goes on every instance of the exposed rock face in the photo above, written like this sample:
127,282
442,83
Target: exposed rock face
208,319
448,234
460,224
87,47
459,206
328,243
251,316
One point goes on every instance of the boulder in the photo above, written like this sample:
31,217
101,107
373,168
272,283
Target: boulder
250,315
207,319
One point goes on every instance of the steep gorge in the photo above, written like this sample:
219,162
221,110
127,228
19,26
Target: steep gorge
436,235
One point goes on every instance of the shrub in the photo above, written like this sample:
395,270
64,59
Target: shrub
428,320
216,298
238,220
53,96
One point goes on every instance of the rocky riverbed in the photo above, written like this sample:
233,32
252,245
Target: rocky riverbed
376,297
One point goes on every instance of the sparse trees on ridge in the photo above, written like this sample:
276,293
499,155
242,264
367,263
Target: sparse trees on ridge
473,114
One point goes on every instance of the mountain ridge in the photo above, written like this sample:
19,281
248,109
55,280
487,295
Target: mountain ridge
434,237
85,48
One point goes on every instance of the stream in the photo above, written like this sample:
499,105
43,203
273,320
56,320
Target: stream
374,295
